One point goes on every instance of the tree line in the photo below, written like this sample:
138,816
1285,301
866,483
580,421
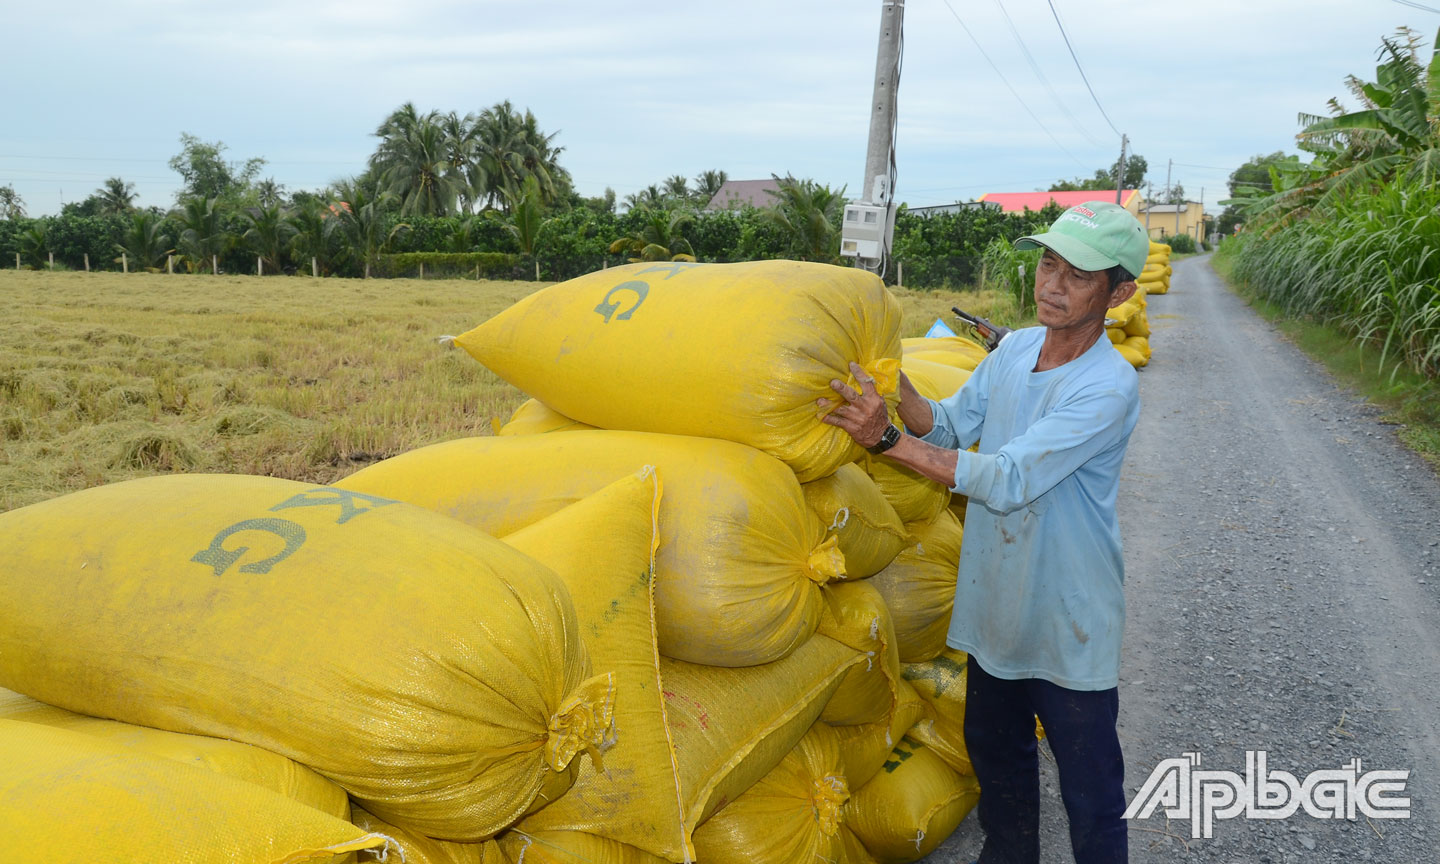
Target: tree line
481,194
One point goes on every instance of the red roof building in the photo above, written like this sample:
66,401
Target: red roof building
1015,202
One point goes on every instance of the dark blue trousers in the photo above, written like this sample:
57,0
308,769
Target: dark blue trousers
1080,726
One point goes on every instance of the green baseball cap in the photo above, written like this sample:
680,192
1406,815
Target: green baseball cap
1096,235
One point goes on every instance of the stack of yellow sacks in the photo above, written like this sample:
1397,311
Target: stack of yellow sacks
711,628
1127,324
1155,278
1129,329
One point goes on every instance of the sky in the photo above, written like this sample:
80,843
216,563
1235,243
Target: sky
637,93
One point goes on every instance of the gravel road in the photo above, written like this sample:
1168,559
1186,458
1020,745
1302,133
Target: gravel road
1282,554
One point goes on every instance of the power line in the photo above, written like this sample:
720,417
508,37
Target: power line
1414,5
1006,81
1035,67
1077,65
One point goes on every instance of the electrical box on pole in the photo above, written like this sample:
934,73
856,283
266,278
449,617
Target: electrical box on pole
869,223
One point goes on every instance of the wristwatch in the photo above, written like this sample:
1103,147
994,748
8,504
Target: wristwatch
889,438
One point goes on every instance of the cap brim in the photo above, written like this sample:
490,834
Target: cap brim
1073,251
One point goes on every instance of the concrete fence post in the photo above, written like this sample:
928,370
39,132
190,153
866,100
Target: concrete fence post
214,265
170,264
17,260
124,263
259,265
87,262
899,274
52,260
314,268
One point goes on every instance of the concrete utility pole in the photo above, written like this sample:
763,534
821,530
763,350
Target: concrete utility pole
1149,202
875,188
1120,171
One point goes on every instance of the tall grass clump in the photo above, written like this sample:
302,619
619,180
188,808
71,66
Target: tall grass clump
1371,268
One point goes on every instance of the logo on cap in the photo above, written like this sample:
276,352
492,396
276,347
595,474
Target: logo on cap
1081,209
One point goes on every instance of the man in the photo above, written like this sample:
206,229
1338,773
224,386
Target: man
1039,604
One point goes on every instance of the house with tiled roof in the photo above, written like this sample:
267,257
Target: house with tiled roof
735,194
1015,202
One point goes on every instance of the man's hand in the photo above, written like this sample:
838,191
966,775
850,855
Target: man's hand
862,412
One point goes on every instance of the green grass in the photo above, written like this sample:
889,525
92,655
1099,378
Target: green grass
1410,400
106,377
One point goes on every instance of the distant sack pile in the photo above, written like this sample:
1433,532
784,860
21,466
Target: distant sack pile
664,615
1127,324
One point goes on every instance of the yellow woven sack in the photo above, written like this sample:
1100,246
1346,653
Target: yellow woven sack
1138,325
791,814
569,847
731,726
915,497
1139,343
70,797
741,557
866,748
911,806
940,682
1159,247
1157,259
419,849
955,351
856,616
1116,335
1133,356
852,851
603,547
919,587
733,351
933,380
868,530
434,673
230,758
534,417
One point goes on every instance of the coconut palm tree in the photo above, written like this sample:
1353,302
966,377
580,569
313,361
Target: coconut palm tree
413,163
202,236
649,198
809,215
707,183
361,221
35,245
268,192
462,150
313,235
12,206
269,234
510,147
676,188
117,197
525,218
659,238
143,243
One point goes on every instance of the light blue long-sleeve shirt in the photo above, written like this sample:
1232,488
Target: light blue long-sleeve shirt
1040,588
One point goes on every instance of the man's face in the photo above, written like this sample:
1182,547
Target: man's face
1068,297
